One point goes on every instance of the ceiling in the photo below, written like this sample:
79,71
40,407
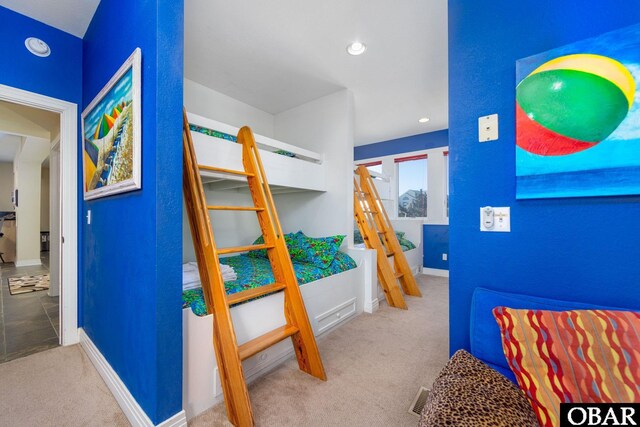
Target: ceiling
278,54
71,16
17,121
9,145
275,55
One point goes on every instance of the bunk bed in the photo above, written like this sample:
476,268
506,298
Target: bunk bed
330,301
289,168
408,229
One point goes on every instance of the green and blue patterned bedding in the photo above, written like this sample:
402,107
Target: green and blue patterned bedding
405,243
255,272
222,135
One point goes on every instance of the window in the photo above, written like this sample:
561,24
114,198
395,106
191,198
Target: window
373,166
412,186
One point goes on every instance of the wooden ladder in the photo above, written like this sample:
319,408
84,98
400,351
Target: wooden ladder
229,355
378,234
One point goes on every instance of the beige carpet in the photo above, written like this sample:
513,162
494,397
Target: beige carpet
375,365
58,387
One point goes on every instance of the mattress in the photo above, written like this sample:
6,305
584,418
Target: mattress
255,272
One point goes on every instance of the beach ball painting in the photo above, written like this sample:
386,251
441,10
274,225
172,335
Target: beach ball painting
578,119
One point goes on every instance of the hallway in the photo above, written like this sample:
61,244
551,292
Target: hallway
28,322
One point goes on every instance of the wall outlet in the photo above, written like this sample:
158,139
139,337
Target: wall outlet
444,257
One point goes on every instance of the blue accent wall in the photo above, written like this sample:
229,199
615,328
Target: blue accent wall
435,237
131,299
423,141
436,243
59,75
583,249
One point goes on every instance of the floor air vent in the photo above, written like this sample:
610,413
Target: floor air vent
419,401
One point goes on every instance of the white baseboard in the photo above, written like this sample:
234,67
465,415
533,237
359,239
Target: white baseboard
134,413
178,420
28,262
371,306
435,272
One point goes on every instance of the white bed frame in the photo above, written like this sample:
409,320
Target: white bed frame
330,302
304,172
413,230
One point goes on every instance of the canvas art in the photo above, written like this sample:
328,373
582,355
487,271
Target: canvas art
111,134
578,119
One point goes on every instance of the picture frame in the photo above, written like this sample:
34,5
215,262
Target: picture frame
111,134
578,119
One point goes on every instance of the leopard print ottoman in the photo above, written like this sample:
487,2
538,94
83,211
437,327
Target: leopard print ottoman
469,393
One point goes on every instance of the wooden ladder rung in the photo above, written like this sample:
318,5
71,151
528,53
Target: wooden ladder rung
237,249
223,170
390,254
254,293
265,341
234,208
399,275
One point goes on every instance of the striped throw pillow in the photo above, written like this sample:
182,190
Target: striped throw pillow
579,356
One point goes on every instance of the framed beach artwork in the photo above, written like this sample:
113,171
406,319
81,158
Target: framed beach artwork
578,119
111,134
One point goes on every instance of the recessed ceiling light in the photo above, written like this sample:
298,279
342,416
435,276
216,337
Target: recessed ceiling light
356,48
423,120
37,47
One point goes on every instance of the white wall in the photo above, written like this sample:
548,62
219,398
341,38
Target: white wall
6,186
27,176
230,228
207,102
44,200
325,125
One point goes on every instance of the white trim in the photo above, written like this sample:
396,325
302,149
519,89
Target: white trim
68,201
28,262
178,420
371,306
132,410
435,272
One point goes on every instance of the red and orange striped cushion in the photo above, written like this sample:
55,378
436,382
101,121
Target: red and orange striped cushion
572,356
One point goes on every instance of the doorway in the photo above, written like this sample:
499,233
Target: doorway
65,243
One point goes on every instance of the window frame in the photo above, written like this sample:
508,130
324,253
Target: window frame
436,203
397,160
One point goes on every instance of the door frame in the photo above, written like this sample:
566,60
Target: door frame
68,201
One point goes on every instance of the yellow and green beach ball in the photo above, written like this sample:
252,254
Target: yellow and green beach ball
571,103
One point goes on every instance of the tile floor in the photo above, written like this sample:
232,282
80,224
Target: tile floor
28,322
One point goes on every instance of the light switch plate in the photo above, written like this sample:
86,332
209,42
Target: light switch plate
488,128
501,220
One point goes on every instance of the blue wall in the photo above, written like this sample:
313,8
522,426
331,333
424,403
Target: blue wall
407,144
583,249
436,243
435,237
132,250
59,75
